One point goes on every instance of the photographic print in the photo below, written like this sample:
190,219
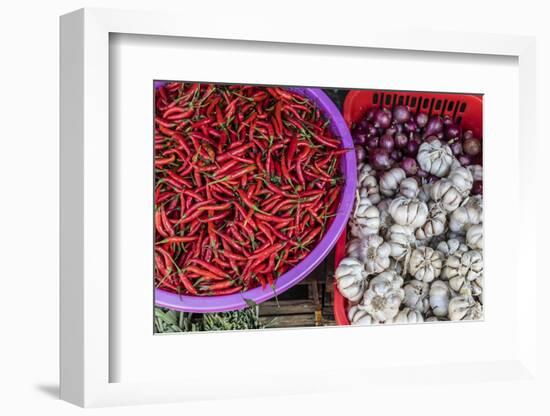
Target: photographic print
279,207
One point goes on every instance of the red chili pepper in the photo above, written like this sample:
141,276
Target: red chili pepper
187,284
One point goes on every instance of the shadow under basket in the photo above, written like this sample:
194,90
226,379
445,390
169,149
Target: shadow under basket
464,109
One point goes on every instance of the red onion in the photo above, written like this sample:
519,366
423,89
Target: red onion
379,159
370,114
360,138
409,165
477,188
456,148
372,131
452,131
396,155
447,120
422,173
382,118
391,130
409,126
400,140
472,146
434,126
360,153
412,147
401,114
421,119
465,160
372,142
468,134
386,143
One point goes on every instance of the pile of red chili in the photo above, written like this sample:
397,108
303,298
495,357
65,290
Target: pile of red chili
246,183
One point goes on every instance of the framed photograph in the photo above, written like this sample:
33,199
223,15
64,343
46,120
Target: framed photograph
230,214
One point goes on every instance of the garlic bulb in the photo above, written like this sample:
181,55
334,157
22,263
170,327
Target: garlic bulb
416,295
462,179
469,213
435,223
366,218
435,157
383,297
424,192
452,246
372,251
464,307
366,180
476,171
357,316
401,240
396,266
425,264
409,188
350,277
390,180
446,194
439,297
405,211
460,270
386,220
474,237
407,316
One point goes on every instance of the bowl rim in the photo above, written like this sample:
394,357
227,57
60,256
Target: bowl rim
237,301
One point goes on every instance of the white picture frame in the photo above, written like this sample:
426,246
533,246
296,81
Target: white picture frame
87,354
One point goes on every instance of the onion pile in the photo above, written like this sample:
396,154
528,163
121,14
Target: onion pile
387,138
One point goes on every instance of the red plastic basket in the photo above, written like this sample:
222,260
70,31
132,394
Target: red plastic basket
465,109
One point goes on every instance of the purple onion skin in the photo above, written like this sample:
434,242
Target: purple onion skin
379,159
421,119
382,118
412,147
401,114
409,126
465,160
360,138
432,178
409,165
447,120
360,153
468,134
434,126
391,130
422,173
400,140
386,142
396,155
456,148
452,131
372,142
477,188
369,116
372,131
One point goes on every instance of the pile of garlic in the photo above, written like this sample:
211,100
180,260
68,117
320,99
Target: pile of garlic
415,250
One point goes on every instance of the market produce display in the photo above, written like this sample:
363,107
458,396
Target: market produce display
246,184
415,240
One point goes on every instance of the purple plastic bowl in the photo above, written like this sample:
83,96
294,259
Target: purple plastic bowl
208,304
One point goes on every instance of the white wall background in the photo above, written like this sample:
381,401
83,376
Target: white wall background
29,179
